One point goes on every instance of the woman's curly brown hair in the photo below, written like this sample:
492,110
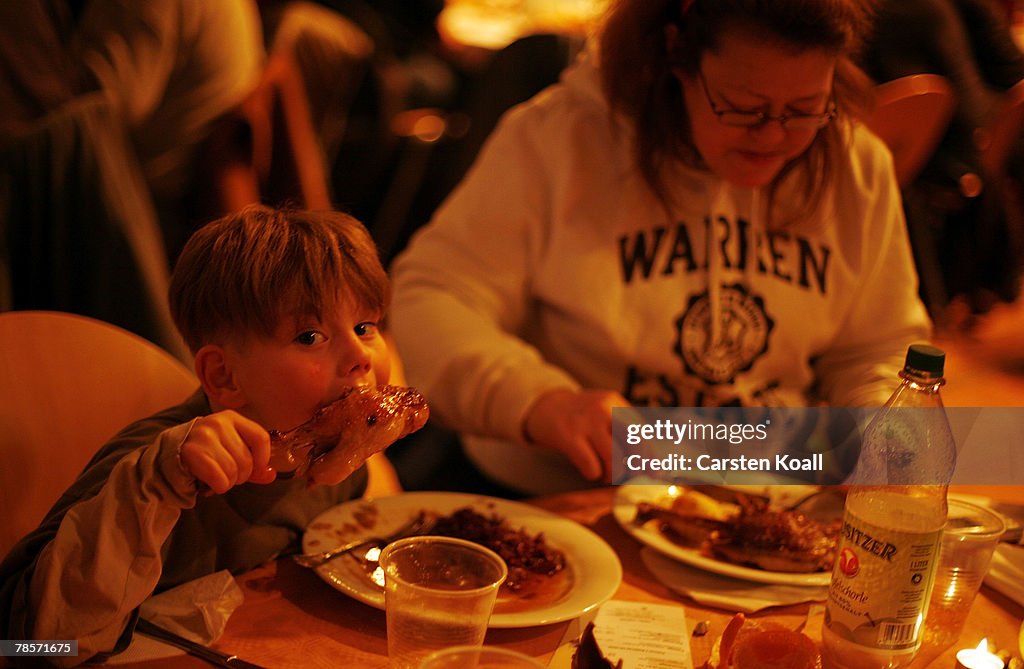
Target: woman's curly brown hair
636,65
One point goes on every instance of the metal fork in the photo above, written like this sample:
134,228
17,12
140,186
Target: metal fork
417,525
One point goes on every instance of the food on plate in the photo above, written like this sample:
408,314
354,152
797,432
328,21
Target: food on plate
749,533
751,644
538,573
786,541
696,503
528,556
342,435
689,517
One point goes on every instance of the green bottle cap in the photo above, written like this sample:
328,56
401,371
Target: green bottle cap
925,358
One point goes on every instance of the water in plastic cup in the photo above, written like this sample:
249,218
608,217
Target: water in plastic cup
474,657
438,592
971,535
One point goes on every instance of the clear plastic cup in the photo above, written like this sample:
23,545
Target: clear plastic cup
968,542
438,592
474,657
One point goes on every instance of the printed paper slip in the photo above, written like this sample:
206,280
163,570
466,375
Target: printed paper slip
642,635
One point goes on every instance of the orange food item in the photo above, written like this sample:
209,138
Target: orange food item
755,645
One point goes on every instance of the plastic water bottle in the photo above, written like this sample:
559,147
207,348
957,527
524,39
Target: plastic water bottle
894,516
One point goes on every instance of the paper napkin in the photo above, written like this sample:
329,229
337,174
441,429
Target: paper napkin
197,610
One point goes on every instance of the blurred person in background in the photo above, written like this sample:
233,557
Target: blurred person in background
103,107
970,42
169,67
967,41
693,216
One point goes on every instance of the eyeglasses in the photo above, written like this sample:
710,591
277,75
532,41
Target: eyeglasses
756,119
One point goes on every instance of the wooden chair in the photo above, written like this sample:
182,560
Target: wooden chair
911,115
998,140
298,167
333,56
67,384
997,143
266,150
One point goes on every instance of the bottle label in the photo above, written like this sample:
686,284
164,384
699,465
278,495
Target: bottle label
880,584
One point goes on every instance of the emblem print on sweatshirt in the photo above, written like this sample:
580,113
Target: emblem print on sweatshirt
717,354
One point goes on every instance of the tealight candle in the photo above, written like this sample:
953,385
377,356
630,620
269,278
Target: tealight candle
978,658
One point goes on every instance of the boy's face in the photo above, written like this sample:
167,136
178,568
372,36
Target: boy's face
307,364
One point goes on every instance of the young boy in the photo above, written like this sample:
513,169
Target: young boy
281,311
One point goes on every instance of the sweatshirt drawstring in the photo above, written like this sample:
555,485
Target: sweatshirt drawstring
721,205
755,232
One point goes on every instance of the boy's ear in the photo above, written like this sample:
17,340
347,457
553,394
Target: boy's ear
218,380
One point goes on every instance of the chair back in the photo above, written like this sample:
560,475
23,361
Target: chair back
999,226
332,56
265,150
998,140
298,167
911,116
69,383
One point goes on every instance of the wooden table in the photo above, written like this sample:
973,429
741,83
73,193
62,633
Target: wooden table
291,618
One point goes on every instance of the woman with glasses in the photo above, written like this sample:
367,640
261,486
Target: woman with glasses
693,216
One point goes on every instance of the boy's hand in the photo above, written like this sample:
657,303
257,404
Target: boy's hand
579,424
225,449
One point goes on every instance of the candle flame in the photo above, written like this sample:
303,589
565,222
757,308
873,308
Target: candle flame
983,646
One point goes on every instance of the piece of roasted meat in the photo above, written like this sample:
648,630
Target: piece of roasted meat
786,541
684,529
342,435
689,517
746,532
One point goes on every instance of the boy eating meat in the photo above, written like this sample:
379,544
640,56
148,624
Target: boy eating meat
281,310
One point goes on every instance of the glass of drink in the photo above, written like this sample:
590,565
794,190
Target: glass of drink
968,541
476,657
438,592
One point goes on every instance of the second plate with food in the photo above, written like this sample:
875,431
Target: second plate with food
593,572
627,497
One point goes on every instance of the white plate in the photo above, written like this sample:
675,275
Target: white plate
624,508
595,569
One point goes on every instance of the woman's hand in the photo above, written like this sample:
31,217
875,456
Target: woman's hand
225,449
577,423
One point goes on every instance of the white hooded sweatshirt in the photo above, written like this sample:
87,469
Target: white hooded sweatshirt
554,265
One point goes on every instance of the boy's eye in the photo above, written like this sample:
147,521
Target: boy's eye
366,328
309,337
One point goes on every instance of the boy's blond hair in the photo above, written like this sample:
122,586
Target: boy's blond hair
240,275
